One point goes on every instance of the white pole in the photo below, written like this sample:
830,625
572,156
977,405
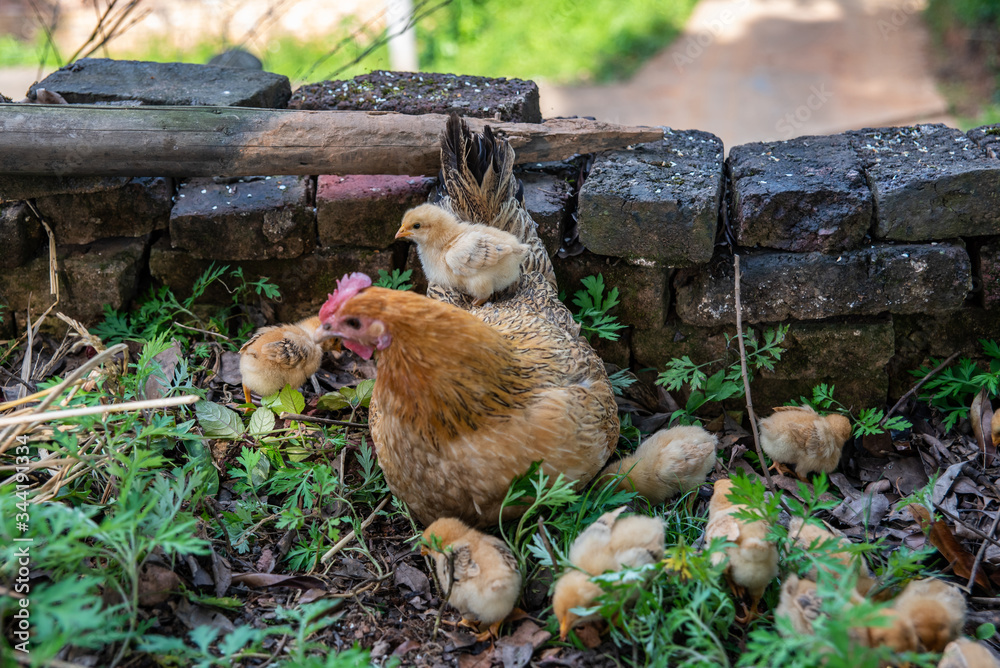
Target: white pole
402,39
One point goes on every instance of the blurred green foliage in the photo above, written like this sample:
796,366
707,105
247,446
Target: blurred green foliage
560,40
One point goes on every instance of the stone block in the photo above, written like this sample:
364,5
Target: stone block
30,187
90,276
96,80
919,338
658,201
653,348
545,198
929,182
132,210
515,100
987,138
642,286
20,234
256,219
929,279
805,194
365,210
989,274
304,282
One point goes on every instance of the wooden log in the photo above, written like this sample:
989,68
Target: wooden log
78,140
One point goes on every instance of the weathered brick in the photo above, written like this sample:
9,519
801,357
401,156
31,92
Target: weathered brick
95,80
365,210
258,219
642,286
30,187
987,138
808,286
850,355
989,273
20,234
304,282
659,201
805,194
545,197
929,182
919,338
133,210
515,100
90,276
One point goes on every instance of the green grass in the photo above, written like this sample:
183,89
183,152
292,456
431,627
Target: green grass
563,41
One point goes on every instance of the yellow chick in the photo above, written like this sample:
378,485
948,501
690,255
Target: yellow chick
474,258
799,435
965,653
280,355
573,590
753,561
611,543
668,462
899,636
936,610
807,534
486,582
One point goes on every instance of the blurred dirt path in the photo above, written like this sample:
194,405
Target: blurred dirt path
754,70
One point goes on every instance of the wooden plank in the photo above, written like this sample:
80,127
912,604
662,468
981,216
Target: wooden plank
78,140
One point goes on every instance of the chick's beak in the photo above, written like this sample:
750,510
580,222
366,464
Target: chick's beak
402,233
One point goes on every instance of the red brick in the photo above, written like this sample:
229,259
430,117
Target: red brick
365,210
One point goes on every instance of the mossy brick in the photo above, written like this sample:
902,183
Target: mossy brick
805,194
30,187
989,274
653,348
642,286
135,209
255,219
931,279
513,100
20,234
987,137
658,201
919,339
90,277
96,80
930,182
304,282
545,199
365,210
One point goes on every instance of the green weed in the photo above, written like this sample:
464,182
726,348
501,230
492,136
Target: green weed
594,306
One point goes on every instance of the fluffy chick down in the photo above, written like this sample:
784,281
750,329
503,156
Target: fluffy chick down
487,582
669,462
279,355
611,543
965,653
799,435
753,560
475,258
936,610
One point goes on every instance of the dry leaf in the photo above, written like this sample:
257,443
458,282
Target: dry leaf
272,580
981,417
941,537
589,634
156,584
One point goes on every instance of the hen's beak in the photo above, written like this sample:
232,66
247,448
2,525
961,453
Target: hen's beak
402,233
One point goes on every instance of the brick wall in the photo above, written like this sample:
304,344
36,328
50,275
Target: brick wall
879,247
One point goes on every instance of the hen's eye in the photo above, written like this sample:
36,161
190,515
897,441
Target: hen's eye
416,226
353,323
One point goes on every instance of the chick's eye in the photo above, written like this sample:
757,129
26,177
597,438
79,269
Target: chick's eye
416,226
353,323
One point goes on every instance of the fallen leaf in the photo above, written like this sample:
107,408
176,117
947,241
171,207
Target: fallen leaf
942,538
411,578
273,580
879,445
945,481
265,564
199,576
516,656
528,632
312,595
405,646
589,634
156,584
193,615
482,660
222,573
867,509
981,418
229,373
162,372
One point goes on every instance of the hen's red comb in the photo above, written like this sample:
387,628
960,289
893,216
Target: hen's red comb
347,287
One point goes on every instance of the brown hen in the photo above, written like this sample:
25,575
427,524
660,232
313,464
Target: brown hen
464,401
